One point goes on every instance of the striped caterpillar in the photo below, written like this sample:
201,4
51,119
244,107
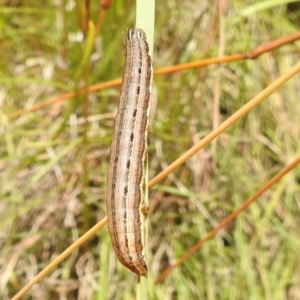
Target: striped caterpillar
125,196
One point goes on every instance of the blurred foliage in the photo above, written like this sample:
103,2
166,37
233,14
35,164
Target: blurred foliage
53,172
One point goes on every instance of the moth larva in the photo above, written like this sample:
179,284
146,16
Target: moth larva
125,192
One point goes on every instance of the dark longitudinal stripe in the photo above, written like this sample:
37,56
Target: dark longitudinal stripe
128,151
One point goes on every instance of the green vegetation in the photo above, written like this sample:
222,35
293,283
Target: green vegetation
53,161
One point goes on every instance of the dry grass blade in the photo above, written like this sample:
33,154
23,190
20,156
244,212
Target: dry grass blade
66,96
254,53
225,222
231,120
60,258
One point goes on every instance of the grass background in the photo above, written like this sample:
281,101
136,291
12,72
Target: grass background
53,186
